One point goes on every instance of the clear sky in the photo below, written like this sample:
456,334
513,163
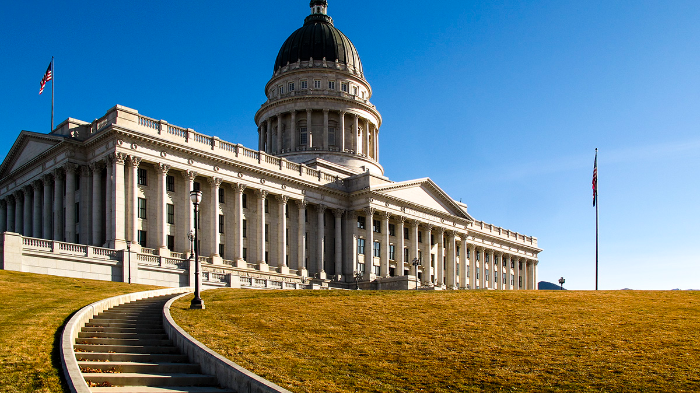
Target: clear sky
501,103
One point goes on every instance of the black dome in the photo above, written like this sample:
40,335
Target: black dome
318,38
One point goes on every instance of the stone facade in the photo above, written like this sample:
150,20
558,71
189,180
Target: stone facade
312,200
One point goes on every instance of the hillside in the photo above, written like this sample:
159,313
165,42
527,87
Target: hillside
364,341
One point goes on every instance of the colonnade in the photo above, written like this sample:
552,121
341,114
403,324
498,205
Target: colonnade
363,140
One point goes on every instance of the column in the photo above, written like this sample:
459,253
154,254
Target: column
427,263
268,136
479,258
369,244
308,128
282,234
262,263
325,129
338,214
518,274
85,205
36,211
451,261
58,218
376,144
294,137
414,246
278,148
11,203
320,248
367,150
472,267
505,270
161,214
260,136
351,263
341,133
355,134
3,215
463,280
238,189
19,212
109,210
97,214
440,258
69,230
215,240
384,253
399,246
47,214
133,200
27,212
301,238
189,207
534,274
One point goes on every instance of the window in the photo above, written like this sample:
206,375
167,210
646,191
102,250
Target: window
495,277
286,236
376,270
469,253
377,249
331,136
267,232
171,243
304,85
266,256
363,94
405,254
221,223
354,90
142,238
196,186
170,212
477,274
392,251
281,89
405,233
520,281
317,84
245,254
344,87
267,205
222,198
376,226
392,230
142,208
77,213
221,250
245,228
361,267
478,255
360,246
306,215
420,237
457,250
520,266
432,239
303,136
245,200
512,264
361,222
486,275
512,279
467,270
170,183
486,258
142,177
420,255
290,86
331,85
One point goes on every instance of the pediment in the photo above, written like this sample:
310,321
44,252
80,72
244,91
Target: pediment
28,146
423,192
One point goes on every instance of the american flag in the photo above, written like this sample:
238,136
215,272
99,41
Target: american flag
47,77
595,178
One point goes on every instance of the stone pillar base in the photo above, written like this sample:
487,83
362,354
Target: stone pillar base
263,267
322,275
164,252
283,270
241,263
303,272
369,276
217,260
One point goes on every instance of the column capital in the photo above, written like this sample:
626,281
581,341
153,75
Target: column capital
440,230
189,175
163,168
70,167
308,110
118,157
19,194
301,203
238,188
59,174
282,199
369,211
321,207
325,110
401,219
3,203
497,253
49,178
342,113
428,227
385,215
479,248
84,170
10,198
37,185
352,214
215,181
338,213
134,161
261,193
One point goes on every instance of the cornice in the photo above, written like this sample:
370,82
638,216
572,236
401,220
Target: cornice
283,101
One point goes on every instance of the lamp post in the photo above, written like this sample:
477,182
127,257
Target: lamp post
561,283
190,237
197,303
128,251
416,262
358,277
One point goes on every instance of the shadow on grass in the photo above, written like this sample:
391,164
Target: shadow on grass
56,360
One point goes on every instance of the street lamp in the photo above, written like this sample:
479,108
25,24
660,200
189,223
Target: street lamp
128,251
561,283
358,277
416,262
197,303
190,236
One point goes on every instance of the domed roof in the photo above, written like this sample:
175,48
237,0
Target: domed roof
319,39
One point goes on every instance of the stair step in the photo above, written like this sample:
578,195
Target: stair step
138,379
124,348
132,357
142,368
156,336
153,389
125,341
136,329
114,324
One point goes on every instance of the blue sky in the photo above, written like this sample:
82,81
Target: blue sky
501,103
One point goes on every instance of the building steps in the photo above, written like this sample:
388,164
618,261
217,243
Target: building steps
125,349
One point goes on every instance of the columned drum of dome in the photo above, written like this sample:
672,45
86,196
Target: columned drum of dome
318,108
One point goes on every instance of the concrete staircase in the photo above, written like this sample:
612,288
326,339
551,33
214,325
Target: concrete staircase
125,349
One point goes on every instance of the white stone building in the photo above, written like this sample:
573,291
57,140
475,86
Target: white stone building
311,201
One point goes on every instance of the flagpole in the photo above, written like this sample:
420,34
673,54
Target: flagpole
53,83
596,224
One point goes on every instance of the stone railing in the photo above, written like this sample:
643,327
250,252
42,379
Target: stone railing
493,230
57,247
161,261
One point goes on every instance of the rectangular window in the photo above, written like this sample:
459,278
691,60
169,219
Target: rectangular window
360,246
377,249
392,230
267,253
221,250
170,210
432,239
142,177
420,256
405,254
512,264
196,186
222,196
331,85
290,86
392,251
420,237
478,255
361,267
469,253
360,222
77,212
317,84
520,281
281,89
142,208
376,270
267,205
221,223
286,236
171,243
486,258
170,183
142,238
376,226
267,232
306,215
245,228
304,85
331,136
344,87
495,276
245,254
354,90
457,249
245,200
303,136
512,279
405,233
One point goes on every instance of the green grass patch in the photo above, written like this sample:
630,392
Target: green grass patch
466,341
33,310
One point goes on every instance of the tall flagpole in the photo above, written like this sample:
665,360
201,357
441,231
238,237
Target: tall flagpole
53,83
596,220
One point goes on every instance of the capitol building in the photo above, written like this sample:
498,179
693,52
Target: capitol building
309,207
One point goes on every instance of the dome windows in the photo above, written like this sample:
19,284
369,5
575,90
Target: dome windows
344,87
317,84
304,85
331,85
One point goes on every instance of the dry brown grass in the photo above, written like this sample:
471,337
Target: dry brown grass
33,310
368,341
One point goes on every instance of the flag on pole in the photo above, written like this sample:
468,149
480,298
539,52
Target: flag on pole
595,177
47,77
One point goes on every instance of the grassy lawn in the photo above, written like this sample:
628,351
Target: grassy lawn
366,341
33,311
